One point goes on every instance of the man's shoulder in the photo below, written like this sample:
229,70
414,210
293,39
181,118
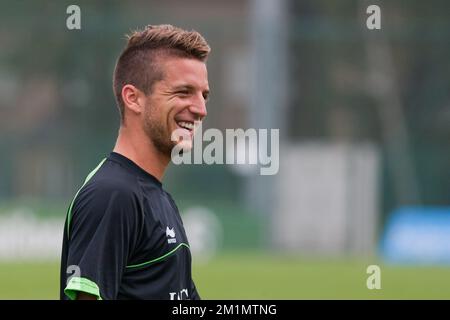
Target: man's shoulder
108,185
106,195
112,184
113,176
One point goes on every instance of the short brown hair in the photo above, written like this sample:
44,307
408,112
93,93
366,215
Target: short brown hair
137,64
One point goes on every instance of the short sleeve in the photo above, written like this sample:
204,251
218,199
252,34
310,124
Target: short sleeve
101,235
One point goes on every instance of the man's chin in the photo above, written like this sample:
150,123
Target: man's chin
184,146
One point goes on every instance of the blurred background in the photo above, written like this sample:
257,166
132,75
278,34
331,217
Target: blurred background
364,123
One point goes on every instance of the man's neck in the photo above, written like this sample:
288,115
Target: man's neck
137,147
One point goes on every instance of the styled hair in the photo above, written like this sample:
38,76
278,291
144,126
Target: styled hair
138,63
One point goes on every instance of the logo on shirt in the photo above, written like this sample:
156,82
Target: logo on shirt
170,233
181,295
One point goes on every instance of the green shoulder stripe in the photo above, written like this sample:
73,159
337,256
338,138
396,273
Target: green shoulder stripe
160,258
90,175
77,284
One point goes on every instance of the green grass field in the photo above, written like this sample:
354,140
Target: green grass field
259,276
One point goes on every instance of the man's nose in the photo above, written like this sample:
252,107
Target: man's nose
198,107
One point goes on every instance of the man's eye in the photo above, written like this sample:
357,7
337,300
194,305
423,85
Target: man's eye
183,93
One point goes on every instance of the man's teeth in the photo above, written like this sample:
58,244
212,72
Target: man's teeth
187,125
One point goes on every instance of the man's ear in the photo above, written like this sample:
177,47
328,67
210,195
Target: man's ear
133,98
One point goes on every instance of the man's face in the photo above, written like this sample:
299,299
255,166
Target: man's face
177,102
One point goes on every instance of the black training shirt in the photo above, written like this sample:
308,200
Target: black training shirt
124,238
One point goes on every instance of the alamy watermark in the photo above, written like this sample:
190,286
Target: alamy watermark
374,280
235,147
73,21
74,271
373,21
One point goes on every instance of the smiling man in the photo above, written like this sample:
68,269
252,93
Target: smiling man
123,236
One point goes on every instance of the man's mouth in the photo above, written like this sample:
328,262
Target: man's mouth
186,125
185,130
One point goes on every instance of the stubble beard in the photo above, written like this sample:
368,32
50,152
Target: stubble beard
157,134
